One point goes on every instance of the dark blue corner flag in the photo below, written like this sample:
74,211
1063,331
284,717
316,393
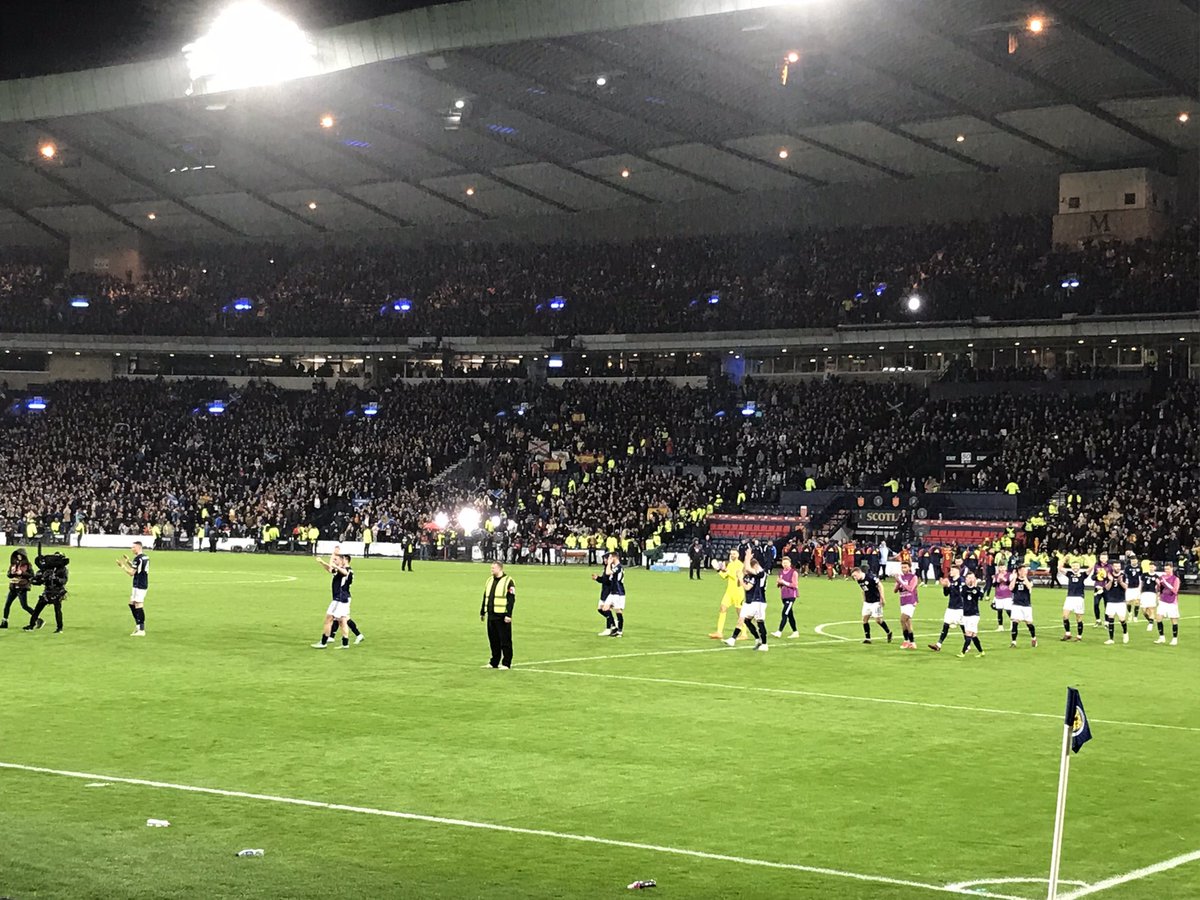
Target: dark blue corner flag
1077,720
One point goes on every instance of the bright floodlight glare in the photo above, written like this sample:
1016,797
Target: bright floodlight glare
601,81
793,57
1183,118
1036,24
249,44
48,151
469,519
441,520
326,121
913,302
460,104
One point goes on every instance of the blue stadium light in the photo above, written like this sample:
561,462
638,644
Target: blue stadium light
496,128
720,414
555,363
35,404
880,288
713,299
370,409
402,305
1069,282
357,145
558,303
216,407
749,409
858,296
241,304
80,302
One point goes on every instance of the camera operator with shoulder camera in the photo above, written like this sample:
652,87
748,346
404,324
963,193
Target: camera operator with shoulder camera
51,576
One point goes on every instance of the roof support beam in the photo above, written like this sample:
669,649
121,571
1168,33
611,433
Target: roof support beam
223,176
1009,66
606,140
104,159
483,132
37,223
965,108
1116,48
77,192
575,47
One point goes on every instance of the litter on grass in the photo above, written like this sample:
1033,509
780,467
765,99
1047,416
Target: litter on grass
157,823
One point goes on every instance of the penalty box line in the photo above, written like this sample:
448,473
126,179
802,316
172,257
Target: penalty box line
791,692
510,829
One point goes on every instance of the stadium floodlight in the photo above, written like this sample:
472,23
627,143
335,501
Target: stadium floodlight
469,519
247,45
557,303
441,520
370,409
714,299
80,302
241,304
913,303
555,362
35,404
216,408
1069,282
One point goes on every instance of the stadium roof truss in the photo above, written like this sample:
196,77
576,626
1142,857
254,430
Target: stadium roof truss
578,105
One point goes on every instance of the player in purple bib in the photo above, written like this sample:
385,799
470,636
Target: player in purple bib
907,583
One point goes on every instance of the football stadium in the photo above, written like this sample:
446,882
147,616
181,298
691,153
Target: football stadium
549,449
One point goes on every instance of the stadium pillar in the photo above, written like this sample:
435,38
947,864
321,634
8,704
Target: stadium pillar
123,256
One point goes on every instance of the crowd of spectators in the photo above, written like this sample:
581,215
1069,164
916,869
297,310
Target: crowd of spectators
1004,268
540,462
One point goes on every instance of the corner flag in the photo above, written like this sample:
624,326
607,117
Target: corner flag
1077,720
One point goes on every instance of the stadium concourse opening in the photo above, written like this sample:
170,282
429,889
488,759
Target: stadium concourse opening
370,377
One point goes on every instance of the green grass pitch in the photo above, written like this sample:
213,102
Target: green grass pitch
792,757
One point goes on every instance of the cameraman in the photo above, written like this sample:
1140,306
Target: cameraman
52,575
20,574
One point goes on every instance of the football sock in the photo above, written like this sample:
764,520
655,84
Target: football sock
1032,630
945,631
908,635
353,628
1067,625
721,621
324,639
736,632
345,640
762,627
1079,627
978,646
1160,629
133,612
620,621
1174,629
1096,606
999,617
1124,627
867,630
608,617
1014,631
1111,626
884,626
966,645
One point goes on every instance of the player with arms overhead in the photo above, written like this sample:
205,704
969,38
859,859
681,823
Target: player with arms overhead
872,602
338,611
1099,573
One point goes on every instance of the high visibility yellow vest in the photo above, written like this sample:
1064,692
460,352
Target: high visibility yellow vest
498,597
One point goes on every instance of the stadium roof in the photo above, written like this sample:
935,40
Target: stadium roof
576,105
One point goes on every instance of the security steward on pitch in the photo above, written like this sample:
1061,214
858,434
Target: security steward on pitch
499,597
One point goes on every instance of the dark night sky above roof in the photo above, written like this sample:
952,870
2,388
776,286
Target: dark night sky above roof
40,37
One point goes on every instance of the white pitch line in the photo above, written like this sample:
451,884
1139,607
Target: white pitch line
783,642
963,885
852,697
509,829
1135,875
